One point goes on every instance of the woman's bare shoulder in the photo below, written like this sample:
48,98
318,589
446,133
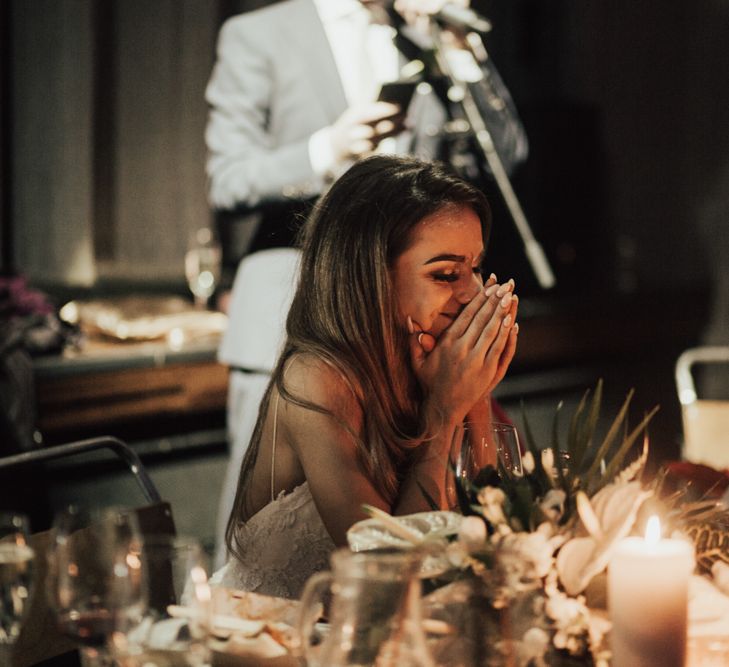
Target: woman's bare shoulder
315,380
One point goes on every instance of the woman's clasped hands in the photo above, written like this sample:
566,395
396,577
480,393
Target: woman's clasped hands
466,362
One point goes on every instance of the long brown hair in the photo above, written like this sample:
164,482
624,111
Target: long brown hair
344,308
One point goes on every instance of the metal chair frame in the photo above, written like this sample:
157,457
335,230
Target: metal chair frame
694,409
118,447
684,380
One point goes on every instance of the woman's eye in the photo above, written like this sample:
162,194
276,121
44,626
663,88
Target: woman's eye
446,277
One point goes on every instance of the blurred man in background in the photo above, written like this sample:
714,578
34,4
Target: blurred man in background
294,100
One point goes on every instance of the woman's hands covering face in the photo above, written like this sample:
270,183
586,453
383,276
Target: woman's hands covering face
471,357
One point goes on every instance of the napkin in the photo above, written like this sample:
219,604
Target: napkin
267,628
708,609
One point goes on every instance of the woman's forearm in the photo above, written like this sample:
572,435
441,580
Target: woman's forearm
430,467
479,419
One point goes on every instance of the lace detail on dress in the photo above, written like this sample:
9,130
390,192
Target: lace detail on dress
283,545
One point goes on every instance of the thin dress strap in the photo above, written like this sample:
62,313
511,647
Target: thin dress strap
273,445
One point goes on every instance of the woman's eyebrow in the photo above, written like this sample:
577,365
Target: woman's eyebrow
446,258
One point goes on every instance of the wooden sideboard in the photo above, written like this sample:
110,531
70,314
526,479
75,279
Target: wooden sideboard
168,404
133,391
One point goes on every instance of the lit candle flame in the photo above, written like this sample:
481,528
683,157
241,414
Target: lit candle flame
653,530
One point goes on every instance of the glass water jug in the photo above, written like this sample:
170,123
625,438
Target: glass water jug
374,618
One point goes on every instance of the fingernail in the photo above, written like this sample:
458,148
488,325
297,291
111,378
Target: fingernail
516,328
514,298
420,339
411,328
506,287
491,289
506,301
492,277
507,321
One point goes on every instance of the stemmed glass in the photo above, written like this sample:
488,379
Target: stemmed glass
16,576
203,265
175,625
95,577
475,447
508,450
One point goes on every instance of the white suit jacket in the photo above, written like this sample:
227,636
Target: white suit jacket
275,83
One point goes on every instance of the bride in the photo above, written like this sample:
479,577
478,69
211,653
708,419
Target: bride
392,340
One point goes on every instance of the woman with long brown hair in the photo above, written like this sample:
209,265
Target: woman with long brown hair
392,340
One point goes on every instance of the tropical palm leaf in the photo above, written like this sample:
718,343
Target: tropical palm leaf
617,461
594,470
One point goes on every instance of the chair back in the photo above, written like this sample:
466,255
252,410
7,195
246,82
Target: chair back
39,639
705,421
262,292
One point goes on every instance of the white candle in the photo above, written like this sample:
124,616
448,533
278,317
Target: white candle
648,599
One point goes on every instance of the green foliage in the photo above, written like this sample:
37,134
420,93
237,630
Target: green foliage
578,463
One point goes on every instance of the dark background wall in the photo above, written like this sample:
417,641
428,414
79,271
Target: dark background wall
625,105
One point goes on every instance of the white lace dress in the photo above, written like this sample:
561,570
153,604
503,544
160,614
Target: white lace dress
284,544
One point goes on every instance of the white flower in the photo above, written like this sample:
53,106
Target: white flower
552,505
598,628
536,548
472,533
527,463
564,610
489,495
491,500
548,463
457,554
533,647
608,517
571,621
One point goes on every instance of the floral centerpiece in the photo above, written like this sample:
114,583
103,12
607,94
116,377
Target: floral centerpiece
534,547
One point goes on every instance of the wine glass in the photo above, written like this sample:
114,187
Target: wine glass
95,577
471,451
203,265
16,577
175,625
508,450
474,448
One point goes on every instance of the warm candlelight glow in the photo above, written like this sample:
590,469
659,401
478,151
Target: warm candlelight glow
653,530
648,580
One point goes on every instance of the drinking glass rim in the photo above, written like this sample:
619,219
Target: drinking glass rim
503,427
385,556
506,426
